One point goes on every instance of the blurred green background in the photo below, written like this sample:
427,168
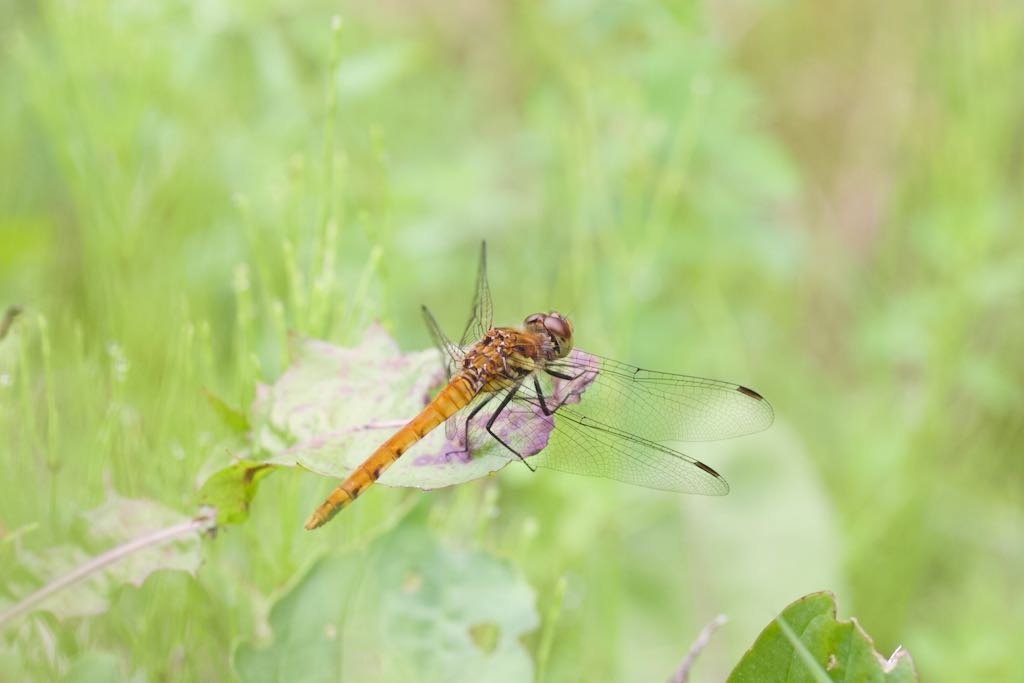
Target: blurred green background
821,200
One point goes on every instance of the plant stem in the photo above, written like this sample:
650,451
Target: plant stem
682,674
547,638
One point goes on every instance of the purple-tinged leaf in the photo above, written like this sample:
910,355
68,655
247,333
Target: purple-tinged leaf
334,406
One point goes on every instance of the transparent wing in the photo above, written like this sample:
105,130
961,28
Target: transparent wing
467,429
569,441
482,315
455,427
610,419
660,406
580,445
451,353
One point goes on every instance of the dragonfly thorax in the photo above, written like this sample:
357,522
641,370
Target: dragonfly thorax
555,330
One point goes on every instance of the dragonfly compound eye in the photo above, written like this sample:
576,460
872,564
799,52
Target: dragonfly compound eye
535,318
558,326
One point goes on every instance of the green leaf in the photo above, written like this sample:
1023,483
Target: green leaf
405,608
818,647
231,490
233,419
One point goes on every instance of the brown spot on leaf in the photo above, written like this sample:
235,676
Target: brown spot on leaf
411,582
249,473
485,636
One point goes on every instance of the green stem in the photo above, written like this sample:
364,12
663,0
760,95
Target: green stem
547,638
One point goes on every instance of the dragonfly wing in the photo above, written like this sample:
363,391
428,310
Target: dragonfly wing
581,445
451,353
575,443
658,406
482,315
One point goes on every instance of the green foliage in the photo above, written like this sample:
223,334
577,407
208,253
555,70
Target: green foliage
818,199
443,614
807,643
233,419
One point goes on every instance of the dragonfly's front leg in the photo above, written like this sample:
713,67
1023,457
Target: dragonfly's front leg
540,395
490,423
562,375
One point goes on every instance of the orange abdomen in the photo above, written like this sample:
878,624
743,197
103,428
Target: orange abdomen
452,398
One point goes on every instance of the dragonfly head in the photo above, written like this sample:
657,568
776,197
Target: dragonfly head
555,329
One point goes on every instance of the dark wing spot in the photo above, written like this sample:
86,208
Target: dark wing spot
707,469
749,392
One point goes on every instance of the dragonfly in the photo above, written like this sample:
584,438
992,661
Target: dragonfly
552,405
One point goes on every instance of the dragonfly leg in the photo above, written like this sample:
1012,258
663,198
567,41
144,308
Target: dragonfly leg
490,424
540,395
465,433
562,375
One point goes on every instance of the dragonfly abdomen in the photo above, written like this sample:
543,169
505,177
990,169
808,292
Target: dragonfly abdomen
452,398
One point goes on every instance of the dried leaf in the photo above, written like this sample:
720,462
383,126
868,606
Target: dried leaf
115,522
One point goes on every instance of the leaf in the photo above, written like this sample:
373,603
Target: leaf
233,419
86,598
839,648
230,490
334,406
406,608
113,523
